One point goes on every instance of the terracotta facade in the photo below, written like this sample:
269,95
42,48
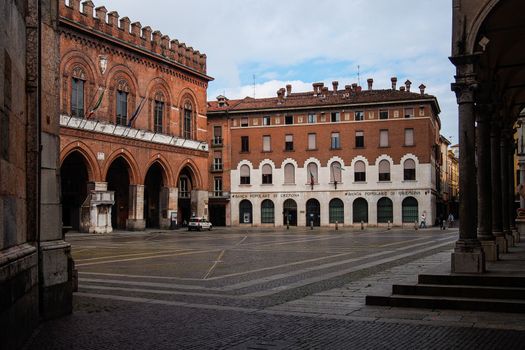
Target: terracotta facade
142,112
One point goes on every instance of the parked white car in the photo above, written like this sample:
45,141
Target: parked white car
198,224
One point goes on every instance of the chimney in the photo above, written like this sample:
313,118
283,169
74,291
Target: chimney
394,82
288,90
407,85
370,82
317,88
354,87
335,84
401,88
422,88
87,8
325,89
280,95
156,37
348,88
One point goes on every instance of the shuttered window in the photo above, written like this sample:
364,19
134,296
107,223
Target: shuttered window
359,171
267,143
383,138
266,174
409,137
384,170
289,174
245,175
312,144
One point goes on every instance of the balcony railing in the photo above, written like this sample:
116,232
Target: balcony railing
131,133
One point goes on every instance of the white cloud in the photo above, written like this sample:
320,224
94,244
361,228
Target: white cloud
409,39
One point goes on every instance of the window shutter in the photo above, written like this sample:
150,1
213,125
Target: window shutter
289,174
311,141
383,138
384,166
245,170
359,167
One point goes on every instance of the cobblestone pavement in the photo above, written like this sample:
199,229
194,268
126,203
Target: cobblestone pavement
262,289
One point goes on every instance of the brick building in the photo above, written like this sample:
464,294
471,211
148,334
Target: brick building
328,156
35,261
133,134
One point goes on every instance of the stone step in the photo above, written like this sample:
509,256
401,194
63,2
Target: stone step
460,291
473,280
435,302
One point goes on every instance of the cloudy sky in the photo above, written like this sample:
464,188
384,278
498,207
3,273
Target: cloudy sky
305,41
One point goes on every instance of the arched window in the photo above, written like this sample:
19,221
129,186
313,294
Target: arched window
384,170
77,92
409,169
360,209
335,172
122,102
336,211
245,174
267,212
289,174
385,210
267,174
359,171
158,112
187,121
410,210
312,176
245,212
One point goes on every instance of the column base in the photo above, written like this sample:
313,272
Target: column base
502,244
136,224
468,258
520,224
515,236
510,239
490,250
56,274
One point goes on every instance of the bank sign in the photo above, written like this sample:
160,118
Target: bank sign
402,193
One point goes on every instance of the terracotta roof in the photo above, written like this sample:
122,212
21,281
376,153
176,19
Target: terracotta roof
308,99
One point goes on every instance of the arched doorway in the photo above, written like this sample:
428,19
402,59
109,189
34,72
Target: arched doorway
336,210
313,212
152,195
267,212
385,210
118,181
360,209
410,210
290,212
245,212
186,185
73,181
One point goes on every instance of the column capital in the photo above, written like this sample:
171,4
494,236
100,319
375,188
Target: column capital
464,90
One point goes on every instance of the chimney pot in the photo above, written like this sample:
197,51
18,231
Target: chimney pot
407,85
422,88
87,8
370,82
401,88
394,82
288,90
335,84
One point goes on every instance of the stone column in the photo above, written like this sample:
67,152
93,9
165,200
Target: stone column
497,213
520,220
168,205
511,188
136,220
488,242
199,203
468,256
504,170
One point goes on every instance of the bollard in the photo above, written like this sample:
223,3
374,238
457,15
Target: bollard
362,225
388,227
336,225
415,225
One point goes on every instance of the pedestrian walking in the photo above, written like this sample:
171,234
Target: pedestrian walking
450,220
423,223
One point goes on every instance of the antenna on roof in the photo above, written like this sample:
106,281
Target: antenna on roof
254,86
358,75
